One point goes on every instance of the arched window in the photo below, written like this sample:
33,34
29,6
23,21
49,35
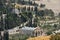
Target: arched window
28,8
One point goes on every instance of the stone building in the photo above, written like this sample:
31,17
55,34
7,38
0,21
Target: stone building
31,31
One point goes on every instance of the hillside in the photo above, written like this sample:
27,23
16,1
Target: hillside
43,18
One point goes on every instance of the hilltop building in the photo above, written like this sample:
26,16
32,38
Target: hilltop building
31,31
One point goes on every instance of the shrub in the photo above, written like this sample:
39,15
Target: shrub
55,37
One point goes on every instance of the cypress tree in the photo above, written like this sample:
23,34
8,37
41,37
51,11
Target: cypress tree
6,35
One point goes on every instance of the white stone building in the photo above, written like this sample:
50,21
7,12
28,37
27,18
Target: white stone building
31,31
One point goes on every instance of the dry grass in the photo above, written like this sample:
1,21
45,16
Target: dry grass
40,38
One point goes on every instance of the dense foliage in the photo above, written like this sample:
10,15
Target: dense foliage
55,37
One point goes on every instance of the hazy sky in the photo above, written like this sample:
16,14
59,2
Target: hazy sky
52,4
